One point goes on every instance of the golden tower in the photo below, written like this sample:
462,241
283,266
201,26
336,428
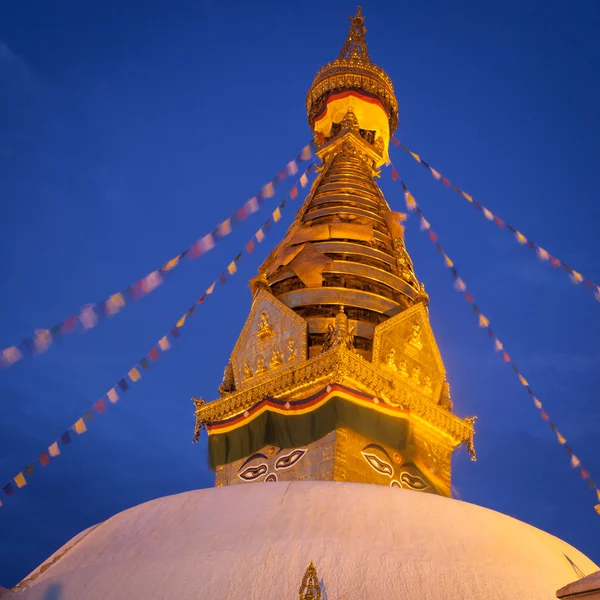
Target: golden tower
336,374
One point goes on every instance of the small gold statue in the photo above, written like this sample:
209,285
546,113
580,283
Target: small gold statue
261,365
276,359
291,348
264,327
427,383
403,368
248,374
415,337
416,375
390,359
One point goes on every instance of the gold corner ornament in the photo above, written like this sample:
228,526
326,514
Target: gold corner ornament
310,588
200,422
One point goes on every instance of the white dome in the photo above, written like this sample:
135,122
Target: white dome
255,541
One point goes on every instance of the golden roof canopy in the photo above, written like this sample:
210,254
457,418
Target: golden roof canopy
353,70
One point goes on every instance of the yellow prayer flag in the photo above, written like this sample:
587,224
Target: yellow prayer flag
231,267
269,190
260,235
488,214
115,303
415,156
520,238
12,354
277,214
498,345
80,427
20,480
575,462
42,339
172,263
164,344
561,440
448,262
598,494
537,403
225,227
134,375
483,321
182,320
410,201
467,196
576,277
113,396
523,380
53,450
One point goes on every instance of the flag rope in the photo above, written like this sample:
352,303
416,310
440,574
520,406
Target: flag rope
460,286
91,314
542,254
135,374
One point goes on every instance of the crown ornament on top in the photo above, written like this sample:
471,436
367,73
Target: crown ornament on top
355,46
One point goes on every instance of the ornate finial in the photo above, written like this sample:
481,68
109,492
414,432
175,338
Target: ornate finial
310,588
355,47
422,295
228,383
198,403
339,334
350,122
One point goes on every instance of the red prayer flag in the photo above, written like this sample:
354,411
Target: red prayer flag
499,222
554,261
394,174
469,298
506,357
201,299
154,353
396,142
282,174
446,182
69,324
100,406
584,473
545,415
293,192
432,236
250,247
44,459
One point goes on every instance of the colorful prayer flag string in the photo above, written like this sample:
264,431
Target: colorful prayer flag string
543,255
91,314
80,426
484,323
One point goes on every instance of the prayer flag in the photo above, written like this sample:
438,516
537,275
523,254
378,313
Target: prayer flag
12,355
560,438
123,385
231,268
153,354
542,254
79,426
467,196
28,470
172,263
276,214
544,415
260,235
292,167
488,215
498,345
44,459
211,288
306,152
65,438
114,304
448,262
483,321
42,340
576,277
164,344
520,238
303,180
554,262
506,357
134,375
446,182
182,320
433,236
394,174
175,332
88,317
410,201
100,406
396,142
20,480
459,284
294,192
224,228
268,190
523,380
469,298
151,282
250,247
597,293
53,450
584,473
435,173
145,363
415,156
253,204
9,490
425,224
575,462
69,324
222,279
499,222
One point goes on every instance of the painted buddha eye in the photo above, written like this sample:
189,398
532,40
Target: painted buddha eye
380,465
414,482
289,460
252,473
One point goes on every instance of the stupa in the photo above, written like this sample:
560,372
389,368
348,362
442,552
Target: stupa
335,394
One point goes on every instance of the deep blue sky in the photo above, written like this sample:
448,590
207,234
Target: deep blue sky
128,130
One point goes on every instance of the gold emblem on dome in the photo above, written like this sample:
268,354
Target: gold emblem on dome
310,588
264,327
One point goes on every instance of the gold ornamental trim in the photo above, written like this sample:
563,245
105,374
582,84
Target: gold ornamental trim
339,365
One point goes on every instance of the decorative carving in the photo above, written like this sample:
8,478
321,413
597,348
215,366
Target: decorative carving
416,375
200,422
470,421
261,364
291,349
403,368
427,384
390,359
310,588
415,337
350,122
248,374
339,334
264,327
276,359
445,399
227,384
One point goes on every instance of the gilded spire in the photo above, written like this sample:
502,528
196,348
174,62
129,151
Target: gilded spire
355,46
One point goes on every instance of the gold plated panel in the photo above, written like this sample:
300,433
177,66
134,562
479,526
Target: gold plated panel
273,339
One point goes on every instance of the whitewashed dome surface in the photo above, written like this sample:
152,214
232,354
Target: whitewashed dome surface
255,541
